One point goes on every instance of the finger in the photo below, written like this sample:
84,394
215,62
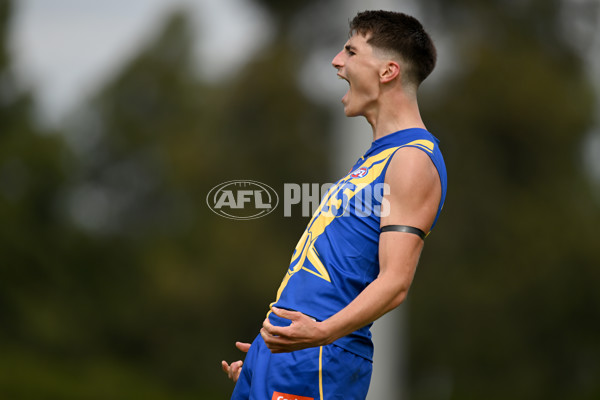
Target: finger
235,370
283,313
225,367
275,330
272,330
267,337
273,341
268,326
279,347
242,346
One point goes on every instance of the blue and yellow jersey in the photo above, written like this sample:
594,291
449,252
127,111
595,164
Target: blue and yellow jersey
337,255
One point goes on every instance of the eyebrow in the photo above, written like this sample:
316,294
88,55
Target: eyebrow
349,47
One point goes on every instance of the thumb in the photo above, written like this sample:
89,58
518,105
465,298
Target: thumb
242,346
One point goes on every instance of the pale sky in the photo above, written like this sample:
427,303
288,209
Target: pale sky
65,49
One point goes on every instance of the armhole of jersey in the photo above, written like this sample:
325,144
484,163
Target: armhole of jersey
389,160
432,159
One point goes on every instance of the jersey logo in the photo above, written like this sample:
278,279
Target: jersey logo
359,173
334,204
285,396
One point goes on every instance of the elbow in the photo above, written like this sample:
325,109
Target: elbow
399,298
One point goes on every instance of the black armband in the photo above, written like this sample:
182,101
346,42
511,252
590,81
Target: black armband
405,229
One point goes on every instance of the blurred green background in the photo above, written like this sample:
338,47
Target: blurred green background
118,282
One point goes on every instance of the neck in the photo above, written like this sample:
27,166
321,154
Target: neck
394,114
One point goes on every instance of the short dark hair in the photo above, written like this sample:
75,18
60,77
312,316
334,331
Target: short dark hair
402,34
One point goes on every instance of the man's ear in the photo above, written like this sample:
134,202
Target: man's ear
390,71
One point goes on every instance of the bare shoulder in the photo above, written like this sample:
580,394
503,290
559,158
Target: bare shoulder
410,165
414,189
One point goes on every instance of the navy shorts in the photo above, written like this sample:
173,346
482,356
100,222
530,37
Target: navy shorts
317,373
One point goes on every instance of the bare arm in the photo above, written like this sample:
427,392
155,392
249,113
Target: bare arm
414,197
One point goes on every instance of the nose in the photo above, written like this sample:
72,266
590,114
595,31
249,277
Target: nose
337,61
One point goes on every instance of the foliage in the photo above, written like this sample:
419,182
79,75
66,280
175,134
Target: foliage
505,302
116,280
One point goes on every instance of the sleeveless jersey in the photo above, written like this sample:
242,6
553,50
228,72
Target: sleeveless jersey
337,256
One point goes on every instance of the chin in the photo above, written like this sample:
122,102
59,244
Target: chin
351,109
347,109
350,112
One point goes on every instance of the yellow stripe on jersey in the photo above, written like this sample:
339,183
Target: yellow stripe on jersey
321,219
426,145
321,373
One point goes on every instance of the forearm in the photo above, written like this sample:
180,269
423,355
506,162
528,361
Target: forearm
399,256
380,297
385,293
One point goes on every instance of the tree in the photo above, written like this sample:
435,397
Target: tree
187,283
505,302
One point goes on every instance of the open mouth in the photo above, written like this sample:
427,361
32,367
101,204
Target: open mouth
343,78
346,79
